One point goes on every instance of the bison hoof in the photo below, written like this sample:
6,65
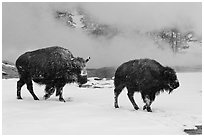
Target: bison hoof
46,96
62,100
145,107
136,107
116,105
149,109
19,97
36,99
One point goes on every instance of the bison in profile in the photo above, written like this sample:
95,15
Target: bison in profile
145,76
53,67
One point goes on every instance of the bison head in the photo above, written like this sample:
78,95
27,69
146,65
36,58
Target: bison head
79,69
170,79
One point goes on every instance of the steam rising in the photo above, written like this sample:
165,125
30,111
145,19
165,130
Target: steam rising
29,26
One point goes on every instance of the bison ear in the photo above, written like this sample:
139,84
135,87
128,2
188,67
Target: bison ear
88,59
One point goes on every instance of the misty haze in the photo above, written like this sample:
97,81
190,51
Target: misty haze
110,33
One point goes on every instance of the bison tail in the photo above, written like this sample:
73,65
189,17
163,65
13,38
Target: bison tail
118,81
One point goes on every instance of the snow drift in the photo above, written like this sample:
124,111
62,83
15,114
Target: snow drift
91,111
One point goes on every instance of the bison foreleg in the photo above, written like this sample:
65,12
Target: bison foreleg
148,108
130,96
117,92
116,99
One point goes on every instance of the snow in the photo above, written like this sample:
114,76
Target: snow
77,21
3,72
90,111
8,65
103,83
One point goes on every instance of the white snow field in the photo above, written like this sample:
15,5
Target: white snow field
90,111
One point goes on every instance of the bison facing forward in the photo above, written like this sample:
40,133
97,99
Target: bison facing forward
145,76
53,67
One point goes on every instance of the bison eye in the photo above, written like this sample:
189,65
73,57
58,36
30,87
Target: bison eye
174,77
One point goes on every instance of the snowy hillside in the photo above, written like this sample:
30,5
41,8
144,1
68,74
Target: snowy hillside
91,111
9,70
81,20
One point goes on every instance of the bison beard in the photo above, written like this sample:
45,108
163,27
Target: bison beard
145,76
53,67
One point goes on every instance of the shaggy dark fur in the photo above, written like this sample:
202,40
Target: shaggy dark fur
145,76
53,67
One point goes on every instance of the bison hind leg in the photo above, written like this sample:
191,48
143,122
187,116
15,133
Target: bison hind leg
20,83
30,89
117,91
131,98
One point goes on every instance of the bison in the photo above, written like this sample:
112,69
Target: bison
53,67
145,76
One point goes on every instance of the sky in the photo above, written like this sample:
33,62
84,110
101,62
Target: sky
30,26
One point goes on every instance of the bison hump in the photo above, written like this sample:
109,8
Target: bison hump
150,65
57,52
51,58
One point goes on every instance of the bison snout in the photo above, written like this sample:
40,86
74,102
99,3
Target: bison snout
83,73
82,78
176,85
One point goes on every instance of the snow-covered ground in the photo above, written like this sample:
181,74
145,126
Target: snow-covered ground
90,110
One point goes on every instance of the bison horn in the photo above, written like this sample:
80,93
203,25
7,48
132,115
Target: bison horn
88,59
